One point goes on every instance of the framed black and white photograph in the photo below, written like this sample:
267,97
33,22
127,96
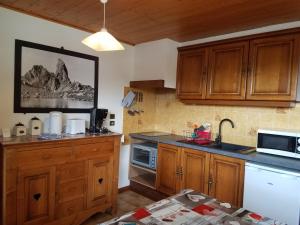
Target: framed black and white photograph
49,79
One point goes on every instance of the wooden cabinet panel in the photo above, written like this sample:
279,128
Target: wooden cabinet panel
195,166
90,150
36,196
46,156
52,182
70,207
273,68
70,190
227,179
191,74
100,173
227,71
71,171
167,169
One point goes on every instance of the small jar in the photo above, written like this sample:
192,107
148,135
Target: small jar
20,129
35,126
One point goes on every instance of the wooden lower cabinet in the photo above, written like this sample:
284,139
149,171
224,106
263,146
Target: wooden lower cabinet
167,169
219,176
226,179
194,172
65,182
100,173
36,195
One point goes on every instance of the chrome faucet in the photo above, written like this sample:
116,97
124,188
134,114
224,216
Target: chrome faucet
218,139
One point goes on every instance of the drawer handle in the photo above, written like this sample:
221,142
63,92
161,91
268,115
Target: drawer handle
37,196
100,180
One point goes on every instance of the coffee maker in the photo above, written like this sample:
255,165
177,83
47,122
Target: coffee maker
97,116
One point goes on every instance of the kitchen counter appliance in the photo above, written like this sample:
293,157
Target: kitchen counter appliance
277,142
144,154
266,185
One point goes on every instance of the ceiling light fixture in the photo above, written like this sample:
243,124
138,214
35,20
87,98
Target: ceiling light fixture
102,40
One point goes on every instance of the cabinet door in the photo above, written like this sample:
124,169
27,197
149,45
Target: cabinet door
227,71
100,174
195,166
273,68
168,162
36,196
191,74
226,181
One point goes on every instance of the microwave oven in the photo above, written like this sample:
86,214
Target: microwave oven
144,154
279,142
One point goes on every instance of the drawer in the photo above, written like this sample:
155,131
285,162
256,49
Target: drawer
94,149
71,190
71,171
69,208
44,156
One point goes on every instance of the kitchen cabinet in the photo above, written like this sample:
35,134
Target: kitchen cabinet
100,173
226,179
227,71
168,162
273,68
194,174
192,69
36,196
218,176
59,181
258,70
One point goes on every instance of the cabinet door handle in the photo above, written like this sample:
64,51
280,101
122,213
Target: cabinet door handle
100,180
37,196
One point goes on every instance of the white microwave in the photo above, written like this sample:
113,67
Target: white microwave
279,142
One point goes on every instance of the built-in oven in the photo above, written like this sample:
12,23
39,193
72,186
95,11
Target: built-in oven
144,154
278,142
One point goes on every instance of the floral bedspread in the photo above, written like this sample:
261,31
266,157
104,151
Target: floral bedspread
191,208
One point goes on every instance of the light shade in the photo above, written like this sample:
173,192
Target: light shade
103,41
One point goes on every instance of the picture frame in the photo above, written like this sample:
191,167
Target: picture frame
54,79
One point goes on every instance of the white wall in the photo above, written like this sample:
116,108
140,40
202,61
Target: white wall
115,69
156,60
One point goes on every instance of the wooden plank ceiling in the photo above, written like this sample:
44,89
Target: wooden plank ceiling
137,21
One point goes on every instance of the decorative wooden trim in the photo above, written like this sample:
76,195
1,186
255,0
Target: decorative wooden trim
147,84
123,189
248,37
281,104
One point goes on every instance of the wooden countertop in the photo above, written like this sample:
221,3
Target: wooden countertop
28,139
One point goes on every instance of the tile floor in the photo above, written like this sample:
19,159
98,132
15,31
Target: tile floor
127,201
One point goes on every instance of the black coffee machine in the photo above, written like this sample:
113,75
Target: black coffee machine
97,116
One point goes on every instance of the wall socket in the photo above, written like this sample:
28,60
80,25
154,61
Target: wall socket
112,116
111,123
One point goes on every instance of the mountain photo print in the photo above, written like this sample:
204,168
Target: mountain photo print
48,78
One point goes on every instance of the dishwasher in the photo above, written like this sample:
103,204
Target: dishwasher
273,192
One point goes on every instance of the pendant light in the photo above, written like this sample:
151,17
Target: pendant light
102,40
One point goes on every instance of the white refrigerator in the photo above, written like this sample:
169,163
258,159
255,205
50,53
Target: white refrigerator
272,192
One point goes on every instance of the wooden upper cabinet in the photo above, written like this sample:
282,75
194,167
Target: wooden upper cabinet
226,179
167,169
36,196
195,166
273,68
227,71
191,74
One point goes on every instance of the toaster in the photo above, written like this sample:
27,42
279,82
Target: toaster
75,126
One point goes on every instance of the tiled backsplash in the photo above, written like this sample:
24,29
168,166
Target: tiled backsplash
176,117
163,112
